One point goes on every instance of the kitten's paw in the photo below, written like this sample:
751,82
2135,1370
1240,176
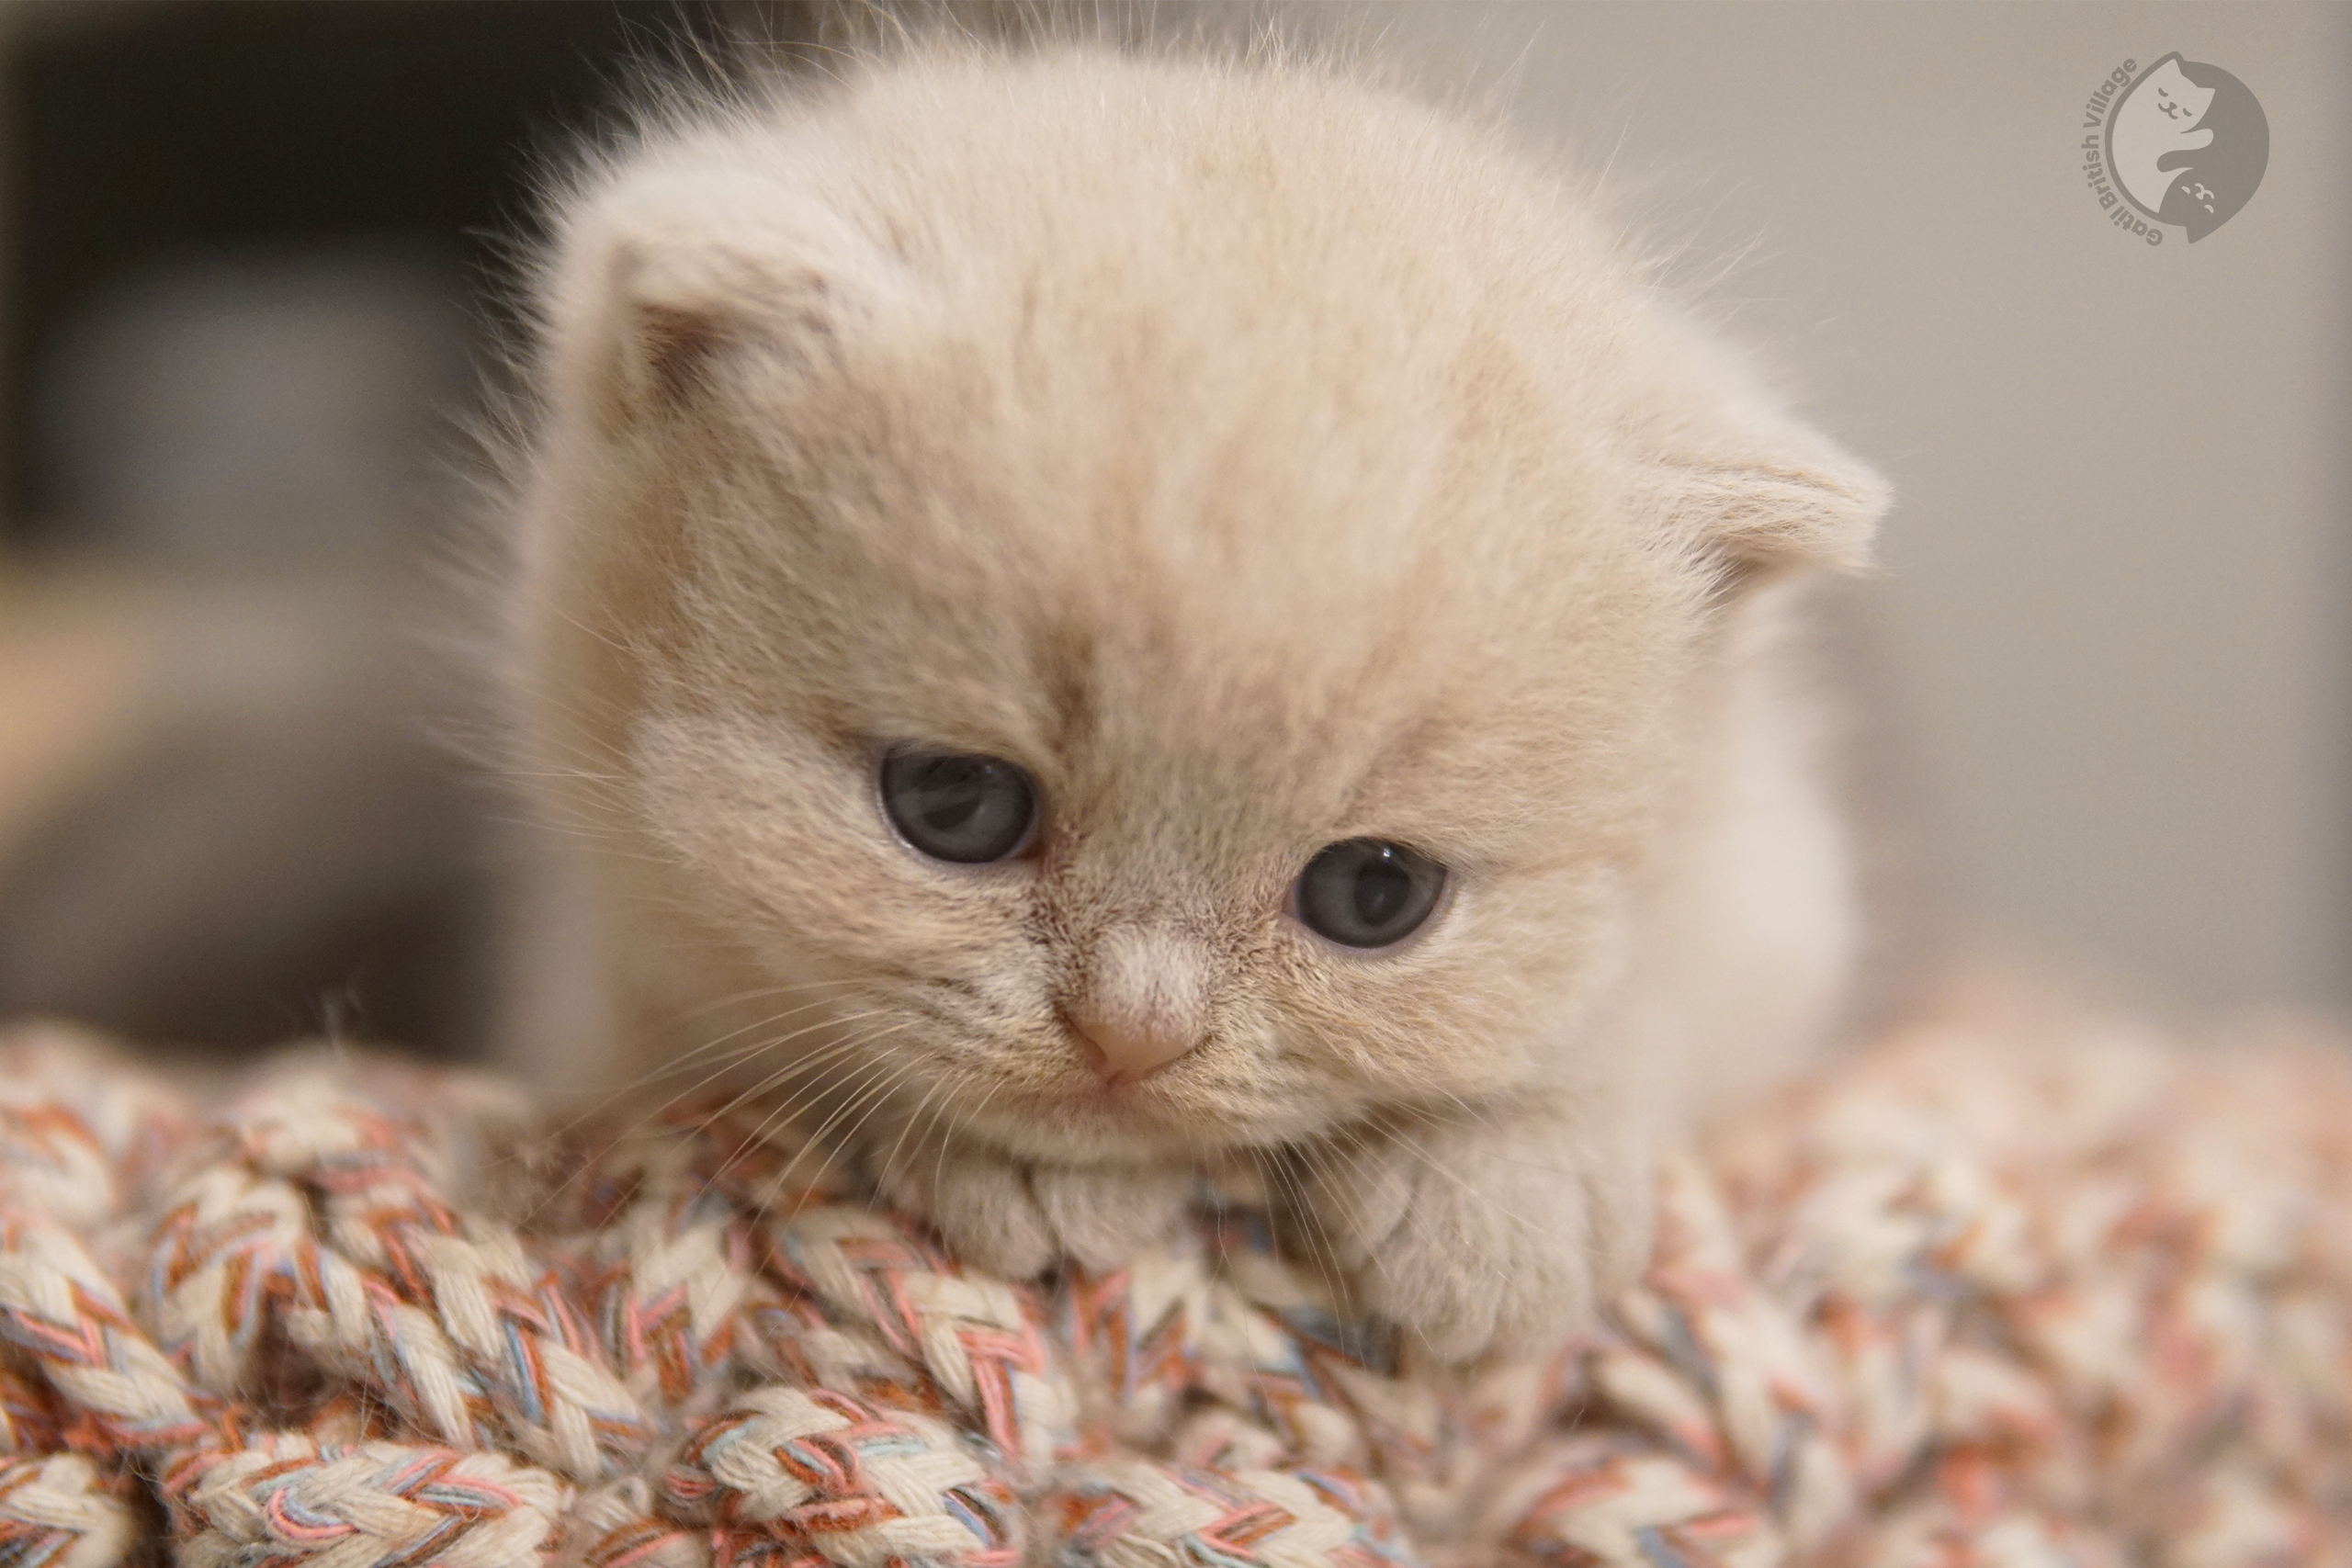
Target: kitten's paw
1016,1220
1482,1240
979,1203
1103,1217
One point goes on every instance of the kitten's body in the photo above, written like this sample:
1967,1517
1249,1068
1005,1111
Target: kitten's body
1259,461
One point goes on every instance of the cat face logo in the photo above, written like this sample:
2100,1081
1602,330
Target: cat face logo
2188,143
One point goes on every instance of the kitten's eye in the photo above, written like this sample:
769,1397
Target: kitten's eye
955,807
1367,893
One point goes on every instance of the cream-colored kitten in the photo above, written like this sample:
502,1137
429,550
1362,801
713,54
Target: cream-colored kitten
1088,614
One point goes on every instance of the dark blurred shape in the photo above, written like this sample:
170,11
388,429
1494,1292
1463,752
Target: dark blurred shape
258,408
146,131
253,257
271,841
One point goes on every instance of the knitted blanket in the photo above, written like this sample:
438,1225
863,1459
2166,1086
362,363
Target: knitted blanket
1990,1293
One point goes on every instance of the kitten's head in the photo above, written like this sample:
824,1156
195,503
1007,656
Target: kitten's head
1082,566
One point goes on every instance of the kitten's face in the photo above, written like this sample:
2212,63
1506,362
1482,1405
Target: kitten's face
1240,529
1209,678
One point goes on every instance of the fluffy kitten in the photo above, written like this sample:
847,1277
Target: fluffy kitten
1088,614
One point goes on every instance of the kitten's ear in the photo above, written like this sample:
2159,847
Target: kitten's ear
660,287
1773,498
677,314
681,316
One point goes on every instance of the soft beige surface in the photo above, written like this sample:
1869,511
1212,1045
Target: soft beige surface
2024,1287
76,655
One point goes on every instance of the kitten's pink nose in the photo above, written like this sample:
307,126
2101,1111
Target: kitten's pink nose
1124,1052
1141,1001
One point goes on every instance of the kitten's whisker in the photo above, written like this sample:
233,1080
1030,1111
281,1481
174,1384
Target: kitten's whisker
1325,1247
741,1053
921,1107
868,1078
828,1052
787,1111
775,1018
881,1099
971,1118
1267,1161
808,1075
758,993
798,1065
875,1085
1337,1177
1443,1121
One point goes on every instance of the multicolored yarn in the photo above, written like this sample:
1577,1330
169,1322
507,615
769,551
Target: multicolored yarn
1998,1292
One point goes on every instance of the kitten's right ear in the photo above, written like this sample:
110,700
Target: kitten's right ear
661,289
678,316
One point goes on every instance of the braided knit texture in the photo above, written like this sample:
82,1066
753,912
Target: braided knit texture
1986,1294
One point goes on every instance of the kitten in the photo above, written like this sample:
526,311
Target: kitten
1091,615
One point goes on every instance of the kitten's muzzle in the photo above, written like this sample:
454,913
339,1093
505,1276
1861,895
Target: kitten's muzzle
1125,1051
1140,1001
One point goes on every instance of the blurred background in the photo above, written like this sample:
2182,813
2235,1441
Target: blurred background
253,263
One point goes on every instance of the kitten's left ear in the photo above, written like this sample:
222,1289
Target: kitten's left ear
1773,497
1752,490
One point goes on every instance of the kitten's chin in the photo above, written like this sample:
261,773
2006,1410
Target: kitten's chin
1086,1121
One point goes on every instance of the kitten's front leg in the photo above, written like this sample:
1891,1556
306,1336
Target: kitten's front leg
1480,1235
1015,1218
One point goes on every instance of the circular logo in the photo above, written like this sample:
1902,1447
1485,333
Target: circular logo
2187,144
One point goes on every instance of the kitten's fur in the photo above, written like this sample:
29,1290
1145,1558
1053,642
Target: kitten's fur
1258,459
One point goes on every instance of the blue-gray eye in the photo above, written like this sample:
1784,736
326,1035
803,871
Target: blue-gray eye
956,807
1367,892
